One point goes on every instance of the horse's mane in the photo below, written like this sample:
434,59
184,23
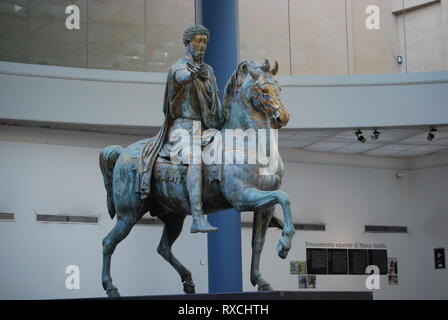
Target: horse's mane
233,84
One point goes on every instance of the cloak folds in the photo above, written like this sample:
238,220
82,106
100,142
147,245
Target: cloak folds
149,155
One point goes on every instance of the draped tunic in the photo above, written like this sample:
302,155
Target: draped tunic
186,100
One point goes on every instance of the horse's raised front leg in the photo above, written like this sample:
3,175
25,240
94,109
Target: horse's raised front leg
121,229
171,231
252,199
262,218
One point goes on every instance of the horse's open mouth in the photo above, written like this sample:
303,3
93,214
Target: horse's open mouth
278,120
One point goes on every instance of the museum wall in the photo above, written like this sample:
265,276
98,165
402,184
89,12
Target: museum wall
72,95
427,37
133,35
51,171
345,199
322,37
56,172
430,217
307,37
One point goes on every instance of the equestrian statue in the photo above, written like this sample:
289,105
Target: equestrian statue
207,157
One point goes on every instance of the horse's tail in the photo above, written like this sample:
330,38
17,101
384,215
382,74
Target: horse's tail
108,158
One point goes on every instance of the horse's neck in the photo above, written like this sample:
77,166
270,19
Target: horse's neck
243,117
261,142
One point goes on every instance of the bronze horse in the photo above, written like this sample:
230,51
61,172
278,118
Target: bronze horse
251,102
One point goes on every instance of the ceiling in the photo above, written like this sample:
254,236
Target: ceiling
393,142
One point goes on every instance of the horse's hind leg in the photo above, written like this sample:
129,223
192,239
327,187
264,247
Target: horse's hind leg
262,218
121,229
172,229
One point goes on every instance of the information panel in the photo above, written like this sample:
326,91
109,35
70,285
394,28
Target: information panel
358,261
317,262
337,261
379,259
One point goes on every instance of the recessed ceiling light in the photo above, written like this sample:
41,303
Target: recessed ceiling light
375,135
431,135
360,136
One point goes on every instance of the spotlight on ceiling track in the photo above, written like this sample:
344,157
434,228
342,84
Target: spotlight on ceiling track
375,135
360,136
400,175
431,135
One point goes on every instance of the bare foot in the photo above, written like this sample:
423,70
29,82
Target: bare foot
200,224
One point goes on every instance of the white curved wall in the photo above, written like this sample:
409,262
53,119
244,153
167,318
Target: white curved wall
56,172
70,95
345,198
367,100
41,175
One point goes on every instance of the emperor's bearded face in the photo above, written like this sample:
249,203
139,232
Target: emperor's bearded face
198,45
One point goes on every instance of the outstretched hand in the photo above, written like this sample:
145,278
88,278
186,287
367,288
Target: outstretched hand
194,70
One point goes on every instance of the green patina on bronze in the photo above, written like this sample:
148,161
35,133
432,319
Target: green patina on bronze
167,190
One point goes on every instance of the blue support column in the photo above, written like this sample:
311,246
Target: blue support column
224,247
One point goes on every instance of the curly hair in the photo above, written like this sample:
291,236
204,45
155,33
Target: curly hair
194,30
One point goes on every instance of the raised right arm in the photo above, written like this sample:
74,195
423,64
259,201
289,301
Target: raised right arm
187,74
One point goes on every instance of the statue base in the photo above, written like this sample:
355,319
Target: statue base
268,295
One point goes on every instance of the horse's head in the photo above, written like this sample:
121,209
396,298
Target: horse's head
259,90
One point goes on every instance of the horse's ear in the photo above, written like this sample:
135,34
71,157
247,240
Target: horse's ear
275,69
242,70
243,67
266,66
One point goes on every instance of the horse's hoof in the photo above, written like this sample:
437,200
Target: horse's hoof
282,249
283,253
265,287
189,288
113,293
